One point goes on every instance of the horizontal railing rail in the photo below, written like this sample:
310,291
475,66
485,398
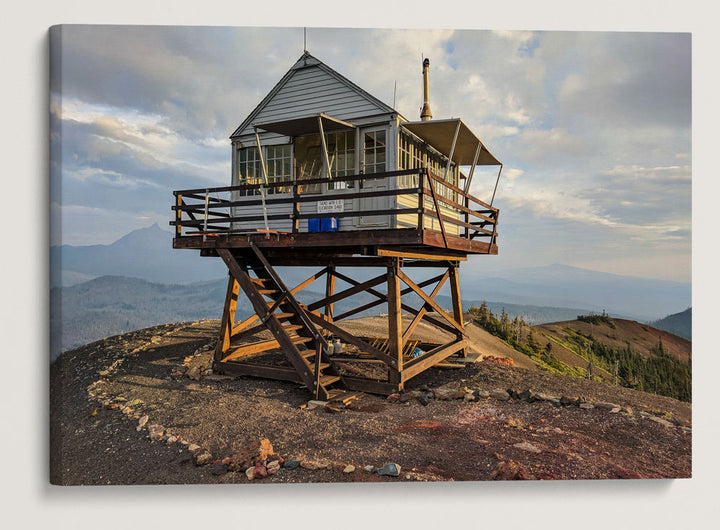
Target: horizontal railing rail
222,210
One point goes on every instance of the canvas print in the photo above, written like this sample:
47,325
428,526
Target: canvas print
298,255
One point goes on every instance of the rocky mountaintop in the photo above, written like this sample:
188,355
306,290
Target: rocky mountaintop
144,408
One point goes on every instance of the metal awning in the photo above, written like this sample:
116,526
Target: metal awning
314,124
441,135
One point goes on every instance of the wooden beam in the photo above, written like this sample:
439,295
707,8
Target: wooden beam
418,317
228,318
395,337
347,292
439,310
457,304
329,292
257,370
418,255
258,347
351,339
370,385
420,364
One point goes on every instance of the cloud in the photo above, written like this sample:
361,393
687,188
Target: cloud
593,127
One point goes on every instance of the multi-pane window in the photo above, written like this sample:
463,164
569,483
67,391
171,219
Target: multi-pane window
341,153
279,166
374,150
411,151
278,161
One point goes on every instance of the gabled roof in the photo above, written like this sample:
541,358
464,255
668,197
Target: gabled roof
306,62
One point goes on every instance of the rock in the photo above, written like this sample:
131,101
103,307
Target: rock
602,405
134,403
273,467
250,473
392,398
424,399
482,394
314,403
500,395
202,457
527,446
194,373
349,468
540,396
586,406
389,470
218,377
510,470
512,393
259,471
615,410
405,397
447,392
527,395
291,464
156,339
661,421
627,410
555,402
156,431
370,469
142,422
565,401
193,448
469,396
172,439
251,454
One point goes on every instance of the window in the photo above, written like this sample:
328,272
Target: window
374,151
279,166
278,161
341,153
411,150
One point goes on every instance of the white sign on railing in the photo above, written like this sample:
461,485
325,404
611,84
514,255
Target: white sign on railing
335,205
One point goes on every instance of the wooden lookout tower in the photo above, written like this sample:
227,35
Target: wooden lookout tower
325,175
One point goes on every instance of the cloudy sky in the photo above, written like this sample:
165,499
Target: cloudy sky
594,128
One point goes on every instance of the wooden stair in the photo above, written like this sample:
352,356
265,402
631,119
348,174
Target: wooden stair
289,324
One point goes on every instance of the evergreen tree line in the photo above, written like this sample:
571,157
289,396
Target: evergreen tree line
660,373
519,335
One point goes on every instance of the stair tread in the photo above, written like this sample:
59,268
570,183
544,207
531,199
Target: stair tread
328,379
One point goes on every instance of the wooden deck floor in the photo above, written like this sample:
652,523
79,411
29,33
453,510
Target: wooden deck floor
408,242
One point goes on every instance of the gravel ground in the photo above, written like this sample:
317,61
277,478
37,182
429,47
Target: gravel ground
100,391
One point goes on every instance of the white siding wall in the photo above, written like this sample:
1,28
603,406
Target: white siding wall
312,91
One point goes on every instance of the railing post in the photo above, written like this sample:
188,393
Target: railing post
466,203
295,209
207,204
178,215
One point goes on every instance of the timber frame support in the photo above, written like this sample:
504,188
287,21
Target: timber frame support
303,332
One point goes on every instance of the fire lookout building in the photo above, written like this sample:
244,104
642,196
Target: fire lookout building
326,175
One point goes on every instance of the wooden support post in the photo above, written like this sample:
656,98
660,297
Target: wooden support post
395,338
228,318
457,306
296,208
329,291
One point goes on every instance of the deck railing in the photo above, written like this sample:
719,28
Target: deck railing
216,211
